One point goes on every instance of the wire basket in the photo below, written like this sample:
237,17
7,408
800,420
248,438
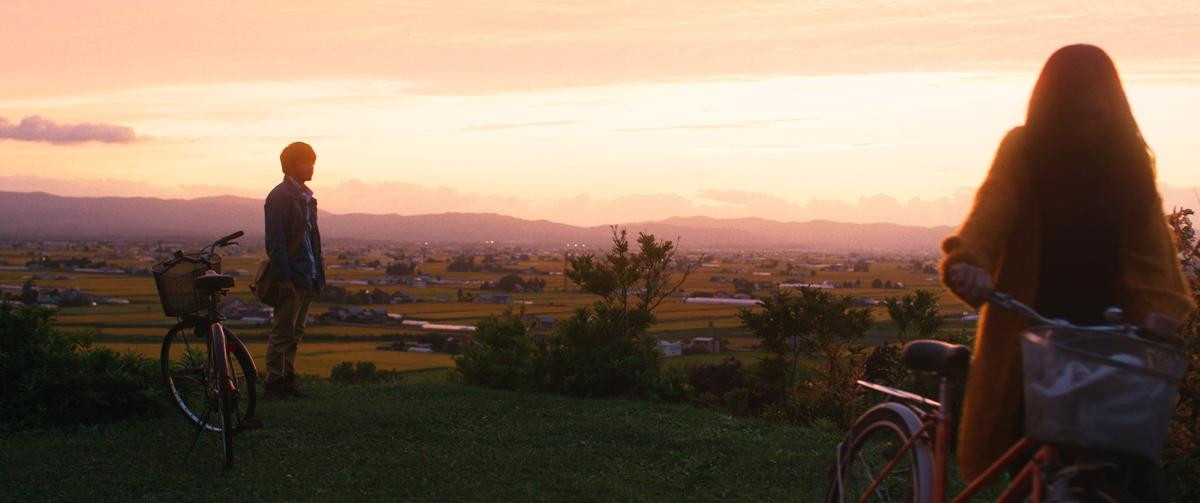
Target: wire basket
176,282
1105,391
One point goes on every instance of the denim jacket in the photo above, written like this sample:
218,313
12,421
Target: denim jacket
291,223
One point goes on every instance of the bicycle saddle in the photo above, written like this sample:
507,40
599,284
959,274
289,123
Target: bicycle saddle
936,356
212,281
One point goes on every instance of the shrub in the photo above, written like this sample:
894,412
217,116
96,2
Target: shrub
602,349
717,378
795,329
502,356
817,400
810,323
727,386
592,355
883,366
915,315
362,373
51,378
1182,456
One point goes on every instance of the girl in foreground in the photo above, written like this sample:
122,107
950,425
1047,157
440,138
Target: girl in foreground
1068,221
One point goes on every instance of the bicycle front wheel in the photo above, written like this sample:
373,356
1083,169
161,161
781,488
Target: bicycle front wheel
224,391
187,374
872,443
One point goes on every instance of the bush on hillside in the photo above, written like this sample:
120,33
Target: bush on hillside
362,373
729,387
503,355
592,354
50,378
602,349
815,326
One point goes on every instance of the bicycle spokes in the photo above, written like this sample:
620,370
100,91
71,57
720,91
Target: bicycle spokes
873,454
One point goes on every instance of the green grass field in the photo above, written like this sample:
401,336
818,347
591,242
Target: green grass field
430,442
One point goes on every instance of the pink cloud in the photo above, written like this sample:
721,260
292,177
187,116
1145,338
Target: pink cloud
39,129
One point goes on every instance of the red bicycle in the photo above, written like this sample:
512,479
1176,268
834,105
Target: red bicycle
205,367
899,450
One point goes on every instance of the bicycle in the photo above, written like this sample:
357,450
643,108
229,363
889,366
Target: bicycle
219,375
899,449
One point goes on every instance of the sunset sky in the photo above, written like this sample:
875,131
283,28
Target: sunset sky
578,112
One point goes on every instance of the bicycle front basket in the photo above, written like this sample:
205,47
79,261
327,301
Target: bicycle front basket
1112,392
176,282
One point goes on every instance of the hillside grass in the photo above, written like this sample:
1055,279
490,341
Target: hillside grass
430,441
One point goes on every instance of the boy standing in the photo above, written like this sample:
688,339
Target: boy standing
294,249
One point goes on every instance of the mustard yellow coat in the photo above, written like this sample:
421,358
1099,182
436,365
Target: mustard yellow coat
1001,235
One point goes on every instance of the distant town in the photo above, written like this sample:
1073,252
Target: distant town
426,297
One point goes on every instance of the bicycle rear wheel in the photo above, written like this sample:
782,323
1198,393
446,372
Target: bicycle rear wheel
872,442
224,391
186,372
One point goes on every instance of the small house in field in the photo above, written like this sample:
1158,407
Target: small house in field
706,344
670,349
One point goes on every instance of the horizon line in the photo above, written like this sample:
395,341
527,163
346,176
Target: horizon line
662,221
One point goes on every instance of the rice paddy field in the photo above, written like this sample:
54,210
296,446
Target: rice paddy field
318,357
140,324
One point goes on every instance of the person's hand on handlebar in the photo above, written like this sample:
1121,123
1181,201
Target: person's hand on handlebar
971,282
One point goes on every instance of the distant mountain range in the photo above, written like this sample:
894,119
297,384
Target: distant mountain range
37,215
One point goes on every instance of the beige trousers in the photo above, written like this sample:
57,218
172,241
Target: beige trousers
286,332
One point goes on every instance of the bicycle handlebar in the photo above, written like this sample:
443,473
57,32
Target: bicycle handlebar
225,240
1007,301
207,252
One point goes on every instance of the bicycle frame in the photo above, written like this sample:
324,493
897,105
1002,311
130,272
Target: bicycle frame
935,417
938,421
212,319
217,330
209,325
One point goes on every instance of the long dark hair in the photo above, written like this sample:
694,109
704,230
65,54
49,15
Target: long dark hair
1088,166
1119,164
